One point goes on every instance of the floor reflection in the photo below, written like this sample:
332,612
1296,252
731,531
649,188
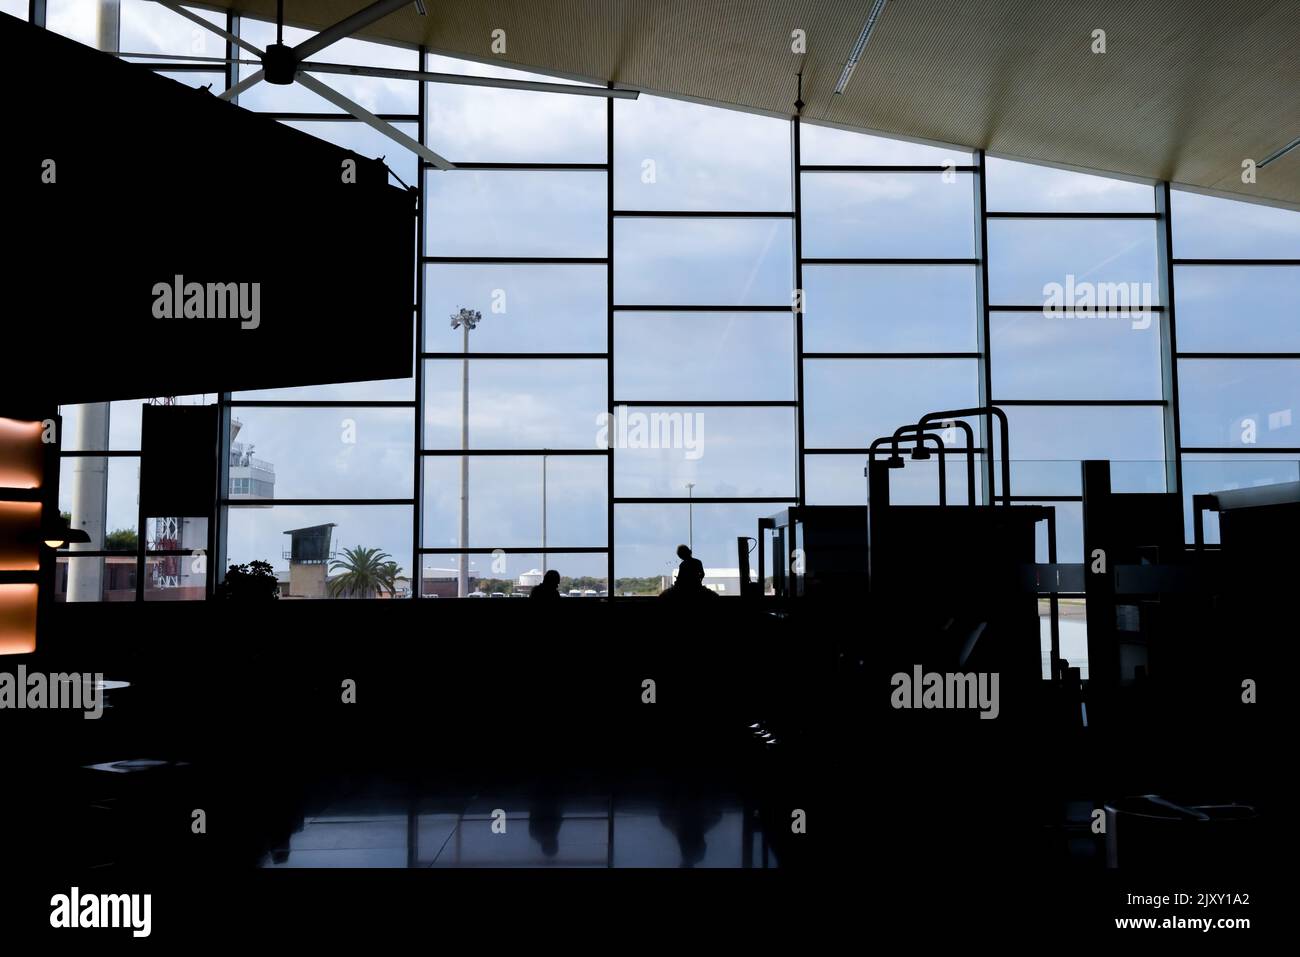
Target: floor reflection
543,829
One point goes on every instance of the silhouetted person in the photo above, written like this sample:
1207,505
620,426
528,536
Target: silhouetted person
549,587
545,818
690,818
690,579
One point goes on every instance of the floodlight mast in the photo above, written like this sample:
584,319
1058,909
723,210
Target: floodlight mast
465,320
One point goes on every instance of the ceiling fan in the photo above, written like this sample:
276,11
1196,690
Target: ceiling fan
283,65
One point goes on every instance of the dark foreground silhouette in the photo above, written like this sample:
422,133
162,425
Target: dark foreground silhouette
690,579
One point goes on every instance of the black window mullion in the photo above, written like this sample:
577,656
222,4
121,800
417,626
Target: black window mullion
609,343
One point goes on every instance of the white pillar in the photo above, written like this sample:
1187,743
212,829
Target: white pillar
89,501
108,29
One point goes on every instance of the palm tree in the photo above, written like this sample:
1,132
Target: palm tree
366,572
391,571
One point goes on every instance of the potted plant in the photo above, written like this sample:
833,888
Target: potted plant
252,582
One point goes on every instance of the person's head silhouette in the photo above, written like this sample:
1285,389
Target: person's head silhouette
548,587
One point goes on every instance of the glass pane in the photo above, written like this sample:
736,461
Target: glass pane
1239,403
366,141
1210,227
1049,442
704,356
372,390
78,19
1094,262
827,146
673,155
722,452
94,579
15,8
1029,188
88,484
516,404
646,539
1072,624
1069,532
703,262
332,541
322,453
506,501
149,27
850,402
525,308
470,124
1203,474
512,575
841,480
890,308
1237,308
175,578
376,94
1086,357
516,213
171,534
869,215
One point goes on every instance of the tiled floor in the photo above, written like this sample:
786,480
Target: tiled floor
554,828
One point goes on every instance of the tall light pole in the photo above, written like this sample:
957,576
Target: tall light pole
690,515
544,511
466,319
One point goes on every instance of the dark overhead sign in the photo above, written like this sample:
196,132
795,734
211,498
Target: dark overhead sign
163,242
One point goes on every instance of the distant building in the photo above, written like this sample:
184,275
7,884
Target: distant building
529,580
442,582
251,478
310,552
117,581
724,581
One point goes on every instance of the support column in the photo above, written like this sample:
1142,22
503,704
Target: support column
109,27
89,501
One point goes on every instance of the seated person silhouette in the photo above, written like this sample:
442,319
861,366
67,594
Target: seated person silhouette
549,587
690,579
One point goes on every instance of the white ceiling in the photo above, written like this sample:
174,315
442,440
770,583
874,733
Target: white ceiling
1186,90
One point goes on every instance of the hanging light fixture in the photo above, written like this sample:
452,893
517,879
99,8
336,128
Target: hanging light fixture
57,533
859,46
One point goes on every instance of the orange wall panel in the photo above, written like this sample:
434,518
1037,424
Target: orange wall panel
20,536
22,454
17,619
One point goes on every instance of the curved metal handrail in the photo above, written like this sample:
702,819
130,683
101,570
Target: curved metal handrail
921,437
1004,429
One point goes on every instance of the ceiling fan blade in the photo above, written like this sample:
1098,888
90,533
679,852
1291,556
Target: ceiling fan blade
456,78
188,15
241,86
178,57
347,26
365,116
